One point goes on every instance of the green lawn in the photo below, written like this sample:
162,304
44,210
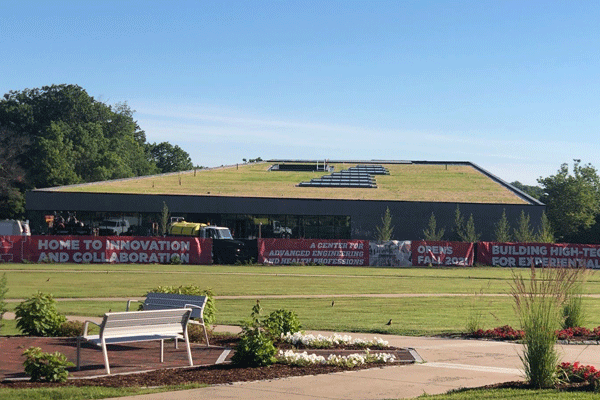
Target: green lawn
507,394
420,311
73,280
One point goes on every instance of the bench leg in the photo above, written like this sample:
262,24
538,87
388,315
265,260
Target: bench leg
189,351
105,353
78,353
205,334
162,351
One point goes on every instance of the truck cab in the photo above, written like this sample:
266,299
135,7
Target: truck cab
226,250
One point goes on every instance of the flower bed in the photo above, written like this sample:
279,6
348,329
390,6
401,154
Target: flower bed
506,332
351,360
576,373
301,340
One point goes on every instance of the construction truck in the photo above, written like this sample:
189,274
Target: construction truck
226,250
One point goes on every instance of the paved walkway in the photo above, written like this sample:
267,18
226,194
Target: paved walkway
448,364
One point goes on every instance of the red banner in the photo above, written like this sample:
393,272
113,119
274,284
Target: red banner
313,251
539,254
106,249
442,253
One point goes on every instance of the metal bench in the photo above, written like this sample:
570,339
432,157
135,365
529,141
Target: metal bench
165,301
138,326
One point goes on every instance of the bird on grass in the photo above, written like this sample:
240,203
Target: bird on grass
389,322
332,303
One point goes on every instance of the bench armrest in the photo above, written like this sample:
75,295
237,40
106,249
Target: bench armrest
85,327
129,303
195,306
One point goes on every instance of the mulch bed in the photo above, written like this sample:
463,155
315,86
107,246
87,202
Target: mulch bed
136,357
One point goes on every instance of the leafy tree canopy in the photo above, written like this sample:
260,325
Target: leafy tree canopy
534,191
73,137
60,135
572,200
169,158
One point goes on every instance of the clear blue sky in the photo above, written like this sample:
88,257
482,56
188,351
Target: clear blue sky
513,86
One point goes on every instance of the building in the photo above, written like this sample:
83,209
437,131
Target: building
298,199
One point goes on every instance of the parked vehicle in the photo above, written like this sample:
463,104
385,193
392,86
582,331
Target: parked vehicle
113,227
276,230
226,250
13,227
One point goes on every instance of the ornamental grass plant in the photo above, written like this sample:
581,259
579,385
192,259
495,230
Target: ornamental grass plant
538,302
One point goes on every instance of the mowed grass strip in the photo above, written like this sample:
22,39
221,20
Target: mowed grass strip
406,182
92,280
505,394
410,316
87,392
120,283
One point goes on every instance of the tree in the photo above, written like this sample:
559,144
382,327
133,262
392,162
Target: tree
470,235
572,200
164,219
464,232
385,230
431,233
60,135
169,158
534,191
459,224
524,232
12,175
544,232
502,229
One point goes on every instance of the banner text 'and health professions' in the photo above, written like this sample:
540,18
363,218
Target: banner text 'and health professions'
313,251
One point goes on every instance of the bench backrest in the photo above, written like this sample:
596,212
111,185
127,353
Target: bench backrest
139,323
163,301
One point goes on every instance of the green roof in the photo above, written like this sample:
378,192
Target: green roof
427,182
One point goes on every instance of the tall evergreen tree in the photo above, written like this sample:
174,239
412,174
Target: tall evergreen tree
431,233
524,232
385,230
502,229
544,233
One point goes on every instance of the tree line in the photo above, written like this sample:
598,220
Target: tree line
60,135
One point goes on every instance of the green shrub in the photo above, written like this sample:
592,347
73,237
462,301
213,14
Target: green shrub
572,311
255,348
49,367
210,310
70,329
280,322
37,316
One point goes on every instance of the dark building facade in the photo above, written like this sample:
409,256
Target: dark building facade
273,217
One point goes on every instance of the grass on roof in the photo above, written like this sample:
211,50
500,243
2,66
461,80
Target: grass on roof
406,182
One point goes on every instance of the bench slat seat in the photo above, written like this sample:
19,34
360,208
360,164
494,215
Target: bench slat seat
138,326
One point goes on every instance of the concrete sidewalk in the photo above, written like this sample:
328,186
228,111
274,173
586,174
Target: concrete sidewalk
448,364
